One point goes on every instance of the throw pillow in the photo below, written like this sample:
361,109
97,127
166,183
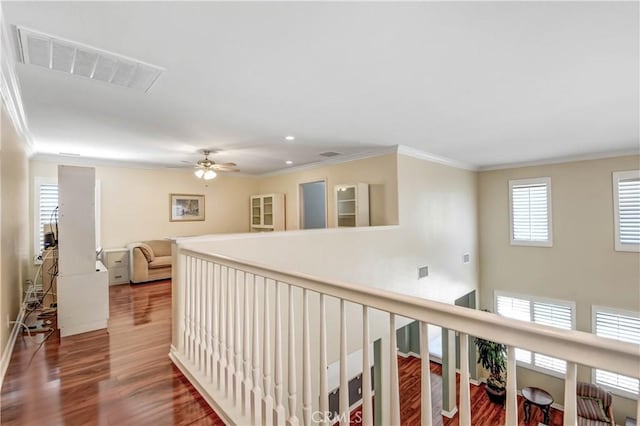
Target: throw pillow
592,409
147,251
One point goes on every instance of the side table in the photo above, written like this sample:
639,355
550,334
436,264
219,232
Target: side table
538,397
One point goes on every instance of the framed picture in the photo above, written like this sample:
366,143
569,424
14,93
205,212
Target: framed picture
186,207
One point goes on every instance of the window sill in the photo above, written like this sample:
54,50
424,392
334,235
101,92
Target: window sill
532,243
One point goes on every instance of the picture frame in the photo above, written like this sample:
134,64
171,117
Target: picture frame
186,207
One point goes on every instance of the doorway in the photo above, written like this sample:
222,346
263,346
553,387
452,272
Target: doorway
313,205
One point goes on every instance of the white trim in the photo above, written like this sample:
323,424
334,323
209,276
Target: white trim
616,178
423,155
449,414
532,181
8,349
37,181
10,86
564,159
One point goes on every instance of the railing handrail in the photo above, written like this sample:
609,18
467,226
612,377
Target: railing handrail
571,345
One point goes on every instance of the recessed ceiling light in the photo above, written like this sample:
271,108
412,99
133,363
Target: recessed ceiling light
289,162
289,138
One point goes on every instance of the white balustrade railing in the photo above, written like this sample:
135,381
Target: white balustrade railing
229,312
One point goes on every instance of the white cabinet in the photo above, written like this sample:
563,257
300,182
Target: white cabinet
267,212
117,262
352,205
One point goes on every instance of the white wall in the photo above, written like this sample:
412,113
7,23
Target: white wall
582,265
135,202
14,228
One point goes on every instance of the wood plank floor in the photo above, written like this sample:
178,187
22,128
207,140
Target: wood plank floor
120,377
124,376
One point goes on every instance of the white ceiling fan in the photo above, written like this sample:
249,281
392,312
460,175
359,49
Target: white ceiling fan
206,169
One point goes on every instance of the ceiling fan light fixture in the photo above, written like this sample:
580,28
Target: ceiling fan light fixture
199,173
209,174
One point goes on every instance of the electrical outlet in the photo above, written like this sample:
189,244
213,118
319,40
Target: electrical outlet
423,271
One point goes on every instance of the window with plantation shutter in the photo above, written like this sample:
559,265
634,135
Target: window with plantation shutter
47,204
618,325
552,313
626,205
530,212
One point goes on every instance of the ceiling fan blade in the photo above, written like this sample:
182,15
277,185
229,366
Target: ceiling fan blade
226,164
225,169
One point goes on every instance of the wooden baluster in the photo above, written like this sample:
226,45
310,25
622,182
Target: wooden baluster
324,382
187,308
465,396
231,275
426,415
201,316
215,302
196,313
222,372
512,389
570,417
292,420
256,394
239,375
204,317
209,310
393,372
267,400
367,409
344,380
306,361
192,298
246,350
278,414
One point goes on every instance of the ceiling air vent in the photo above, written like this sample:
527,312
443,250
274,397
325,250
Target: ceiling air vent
67,56
329,154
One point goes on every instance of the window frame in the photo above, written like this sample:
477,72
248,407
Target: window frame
532,181
616,178
535,299
612,311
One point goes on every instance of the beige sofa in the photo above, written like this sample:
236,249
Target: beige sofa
150,261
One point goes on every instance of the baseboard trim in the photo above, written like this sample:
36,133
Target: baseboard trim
450,414
8,349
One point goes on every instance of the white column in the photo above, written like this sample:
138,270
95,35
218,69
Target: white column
238,372
187,307
231,369
324,386
367,408
246,350
278,412
570,417
216,329
344,380
267,400
222,370
465,396
306,361
512,388
451,371
426,413
292,419
209,311
393,372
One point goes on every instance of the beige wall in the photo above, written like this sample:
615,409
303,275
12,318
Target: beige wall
135,202
438,206
582,265
378,172
14,228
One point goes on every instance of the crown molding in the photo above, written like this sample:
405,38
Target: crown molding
422,155
566,159
378,152
9,85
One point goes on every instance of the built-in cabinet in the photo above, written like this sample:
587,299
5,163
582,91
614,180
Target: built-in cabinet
267,213
352,205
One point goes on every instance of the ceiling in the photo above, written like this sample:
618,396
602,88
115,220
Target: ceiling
478,82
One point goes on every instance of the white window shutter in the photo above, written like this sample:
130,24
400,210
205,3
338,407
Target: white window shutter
48,202
530,211
629,211
622,327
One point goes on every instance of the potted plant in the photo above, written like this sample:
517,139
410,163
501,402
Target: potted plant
493,357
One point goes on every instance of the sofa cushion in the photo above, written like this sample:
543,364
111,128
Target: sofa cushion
160,247
147,251
591,408
160,262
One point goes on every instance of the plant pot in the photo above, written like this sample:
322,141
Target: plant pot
497,396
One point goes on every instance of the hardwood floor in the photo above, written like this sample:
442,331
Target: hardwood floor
120,377
124,376
483,412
